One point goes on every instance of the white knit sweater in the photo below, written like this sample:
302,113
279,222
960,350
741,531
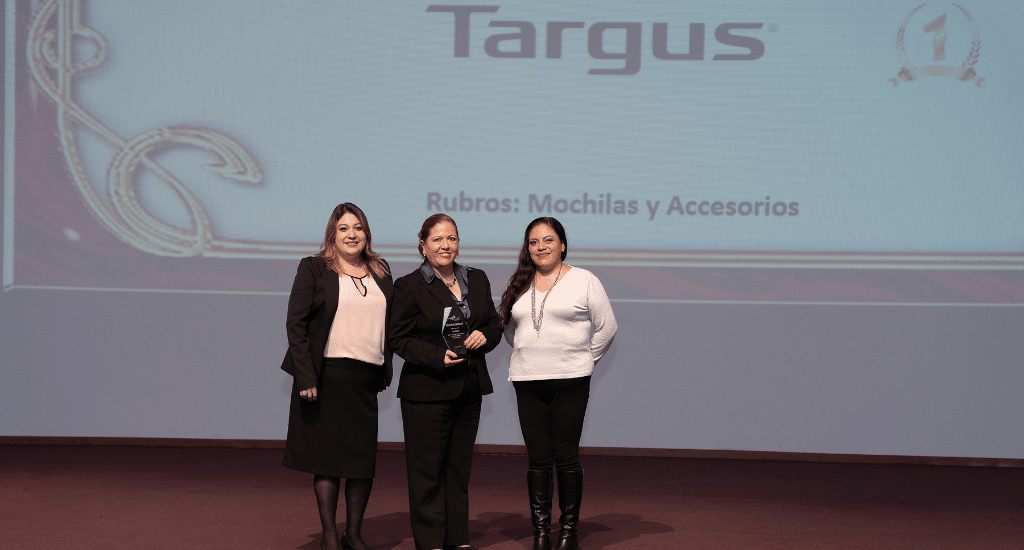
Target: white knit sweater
576,330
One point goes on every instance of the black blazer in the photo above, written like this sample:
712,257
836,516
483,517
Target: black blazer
416,336
311,308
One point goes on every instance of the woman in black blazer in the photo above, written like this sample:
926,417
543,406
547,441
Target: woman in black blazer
441,391
338,315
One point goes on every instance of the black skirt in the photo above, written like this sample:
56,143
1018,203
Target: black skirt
336,435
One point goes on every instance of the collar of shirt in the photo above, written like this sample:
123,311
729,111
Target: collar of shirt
461,275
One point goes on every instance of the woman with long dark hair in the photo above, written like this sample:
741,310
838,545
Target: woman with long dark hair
560,323
441,390
337,322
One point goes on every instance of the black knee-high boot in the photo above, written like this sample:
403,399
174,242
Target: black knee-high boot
570,493
538,483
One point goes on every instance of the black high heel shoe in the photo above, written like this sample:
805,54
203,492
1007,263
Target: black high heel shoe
346,544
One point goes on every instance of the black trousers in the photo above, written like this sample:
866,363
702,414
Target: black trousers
439,439
551,416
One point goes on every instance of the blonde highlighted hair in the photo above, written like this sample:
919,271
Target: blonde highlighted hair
329,252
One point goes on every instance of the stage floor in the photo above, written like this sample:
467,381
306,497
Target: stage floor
68,497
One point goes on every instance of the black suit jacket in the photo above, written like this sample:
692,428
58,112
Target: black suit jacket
311,309
416,336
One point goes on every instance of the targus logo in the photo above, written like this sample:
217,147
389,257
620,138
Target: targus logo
504,44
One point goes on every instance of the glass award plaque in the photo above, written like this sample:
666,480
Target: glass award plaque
454,329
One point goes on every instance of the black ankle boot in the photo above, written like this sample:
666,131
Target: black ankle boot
570,493
538,483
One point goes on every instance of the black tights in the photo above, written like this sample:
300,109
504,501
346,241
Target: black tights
551,416
357,494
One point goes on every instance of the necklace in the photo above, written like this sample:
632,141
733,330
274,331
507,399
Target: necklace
356,281
449,285
360,285
538,319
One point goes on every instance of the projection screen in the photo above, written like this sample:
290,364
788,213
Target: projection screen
807,215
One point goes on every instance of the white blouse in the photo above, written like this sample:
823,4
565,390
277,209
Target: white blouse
577,327
358,328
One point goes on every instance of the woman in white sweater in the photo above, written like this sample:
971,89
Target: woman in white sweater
560,323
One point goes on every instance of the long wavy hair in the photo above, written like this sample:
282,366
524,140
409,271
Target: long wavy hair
520,280
329,252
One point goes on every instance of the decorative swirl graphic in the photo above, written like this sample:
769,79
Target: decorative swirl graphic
50,48
236,165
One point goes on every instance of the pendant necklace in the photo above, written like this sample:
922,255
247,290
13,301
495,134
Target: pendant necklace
360,285
538,319
449,285
358,281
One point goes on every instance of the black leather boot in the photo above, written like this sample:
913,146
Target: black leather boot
538,483
570,493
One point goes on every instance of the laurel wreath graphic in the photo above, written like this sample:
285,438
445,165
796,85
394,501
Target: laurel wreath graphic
975,53
966,72
901,48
